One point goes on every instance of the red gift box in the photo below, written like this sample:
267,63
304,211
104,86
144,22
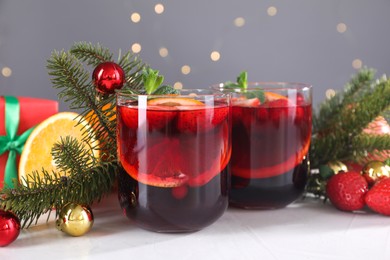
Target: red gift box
32,112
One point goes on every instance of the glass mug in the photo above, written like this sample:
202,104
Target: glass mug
174,150
270,144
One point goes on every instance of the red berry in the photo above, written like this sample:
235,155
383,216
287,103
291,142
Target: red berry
262,114
160,118
346,190
378,197
201,120
300,99
156,118
278,110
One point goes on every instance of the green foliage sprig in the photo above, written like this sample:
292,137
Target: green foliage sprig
339,123
80,177
242,86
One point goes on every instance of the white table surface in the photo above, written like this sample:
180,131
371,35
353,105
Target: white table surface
305,230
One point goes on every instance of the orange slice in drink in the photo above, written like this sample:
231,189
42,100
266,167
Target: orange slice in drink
158,166
271,96
173,101
37,149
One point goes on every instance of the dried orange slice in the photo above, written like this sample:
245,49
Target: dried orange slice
37,149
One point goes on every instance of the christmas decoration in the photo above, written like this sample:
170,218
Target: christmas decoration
9,227
18,116
85,182
337,166
75,219
339,124
337,130
331,168
346,190
380,127
375,170
37,149
107,77
378,197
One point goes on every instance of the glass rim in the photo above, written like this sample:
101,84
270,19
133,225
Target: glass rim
267,85
190,93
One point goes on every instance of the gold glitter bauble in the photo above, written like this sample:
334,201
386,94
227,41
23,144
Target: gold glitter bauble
75,219
337,166
375,170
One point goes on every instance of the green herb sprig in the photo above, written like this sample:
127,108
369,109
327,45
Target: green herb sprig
152,82
242,86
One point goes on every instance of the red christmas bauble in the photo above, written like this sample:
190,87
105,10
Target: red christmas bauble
107,77
9,227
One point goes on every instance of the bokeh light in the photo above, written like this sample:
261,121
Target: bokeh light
135,17
159,8
186,69
239,21
357,64
178,85
6,72
163,52
341,27
215,56
272,11
136,47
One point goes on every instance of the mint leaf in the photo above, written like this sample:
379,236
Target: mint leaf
258,93
242,80
166,90
230,85
242,83
151,80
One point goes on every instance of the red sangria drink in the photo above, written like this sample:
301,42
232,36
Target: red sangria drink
174,150
270,142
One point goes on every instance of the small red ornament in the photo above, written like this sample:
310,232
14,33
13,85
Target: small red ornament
107,77
9,227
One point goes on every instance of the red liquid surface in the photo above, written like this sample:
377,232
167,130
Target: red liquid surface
175,161
269,161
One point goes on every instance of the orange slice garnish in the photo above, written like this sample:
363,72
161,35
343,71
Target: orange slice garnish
174,101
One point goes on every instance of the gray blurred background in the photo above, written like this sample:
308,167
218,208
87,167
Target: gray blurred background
313,41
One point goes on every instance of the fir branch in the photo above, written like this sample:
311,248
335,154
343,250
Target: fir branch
133,67
365,144
80,179
64,153
331,110
70,77
90,54
334,134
